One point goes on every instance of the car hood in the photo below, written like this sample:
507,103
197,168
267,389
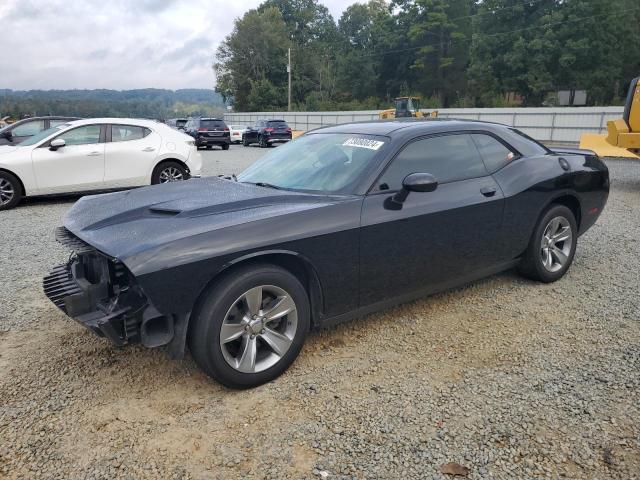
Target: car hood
128,223
4,149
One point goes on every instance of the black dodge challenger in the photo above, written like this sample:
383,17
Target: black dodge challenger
344,221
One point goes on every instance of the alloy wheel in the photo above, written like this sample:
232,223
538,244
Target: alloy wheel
171,174
6,191
258,329
555,249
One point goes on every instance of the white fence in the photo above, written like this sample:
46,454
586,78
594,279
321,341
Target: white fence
563,125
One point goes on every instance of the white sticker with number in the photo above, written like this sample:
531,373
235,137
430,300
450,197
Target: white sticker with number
363,143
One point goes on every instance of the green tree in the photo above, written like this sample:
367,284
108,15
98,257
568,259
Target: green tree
361,30
253,56
439,31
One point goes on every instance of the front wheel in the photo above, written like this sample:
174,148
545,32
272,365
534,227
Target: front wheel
10,191
263,142
250,326
552,247
169,172
245,142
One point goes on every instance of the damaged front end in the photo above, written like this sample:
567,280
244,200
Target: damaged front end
100,293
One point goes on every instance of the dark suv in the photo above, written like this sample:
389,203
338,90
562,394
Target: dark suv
267,132
21,130
177,123
209,132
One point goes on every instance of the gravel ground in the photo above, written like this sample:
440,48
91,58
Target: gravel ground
510,378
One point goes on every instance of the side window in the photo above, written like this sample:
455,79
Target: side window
82,135
28,129
494,153
55,123
124,133
448,158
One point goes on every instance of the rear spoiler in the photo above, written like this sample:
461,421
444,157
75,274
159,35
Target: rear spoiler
573,151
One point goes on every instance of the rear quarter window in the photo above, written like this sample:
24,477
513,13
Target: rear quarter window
494,153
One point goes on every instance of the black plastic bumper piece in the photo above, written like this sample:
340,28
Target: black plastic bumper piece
77,302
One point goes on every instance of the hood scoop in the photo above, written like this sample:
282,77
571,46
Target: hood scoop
170,212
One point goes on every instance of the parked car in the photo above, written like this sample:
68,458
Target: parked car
95,154
23,129
338,223
236,132
267,132
177,123
208,132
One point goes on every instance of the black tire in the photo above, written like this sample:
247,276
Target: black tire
532,265
11,191
262,142
225,146
224,295
161,167
209,147
245,142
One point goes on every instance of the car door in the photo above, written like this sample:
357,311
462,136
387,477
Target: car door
436,238
78,166
130,155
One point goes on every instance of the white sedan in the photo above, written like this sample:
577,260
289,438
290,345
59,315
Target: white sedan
96,154
236,133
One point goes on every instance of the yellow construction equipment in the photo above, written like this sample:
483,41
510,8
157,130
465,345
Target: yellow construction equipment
625,132
406,107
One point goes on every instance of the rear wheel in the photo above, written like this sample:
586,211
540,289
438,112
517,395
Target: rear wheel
552,247
225,146
169,172
245,142
250,326
10,191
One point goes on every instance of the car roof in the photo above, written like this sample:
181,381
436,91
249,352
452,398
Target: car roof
141,122
410,125
46,117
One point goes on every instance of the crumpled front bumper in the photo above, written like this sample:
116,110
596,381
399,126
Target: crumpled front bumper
99,293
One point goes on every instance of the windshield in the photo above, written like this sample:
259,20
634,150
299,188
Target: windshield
44,134
210,124
323,162
277,124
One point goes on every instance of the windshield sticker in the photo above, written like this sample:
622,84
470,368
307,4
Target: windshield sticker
363,143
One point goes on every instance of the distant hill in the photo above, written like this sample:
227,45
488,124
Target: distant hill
147,102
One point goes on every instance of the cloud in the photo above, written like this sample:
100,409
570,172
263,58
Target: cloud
120,44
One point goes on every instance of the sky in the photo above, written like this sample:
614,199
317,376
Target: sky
116,44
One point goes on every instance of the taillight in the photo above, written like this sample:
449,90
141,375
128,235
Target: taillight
288,130
226,129
268,130
202,129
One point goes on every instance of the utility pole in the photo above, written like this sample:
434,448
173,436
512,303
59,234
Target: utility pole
289,72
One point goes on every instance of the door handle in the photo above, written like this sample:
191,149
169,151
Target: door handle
488,191
94,154
148,149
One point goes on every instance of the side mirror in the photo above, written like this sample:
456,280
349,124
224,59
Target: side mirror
415,182
56,144
8,135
